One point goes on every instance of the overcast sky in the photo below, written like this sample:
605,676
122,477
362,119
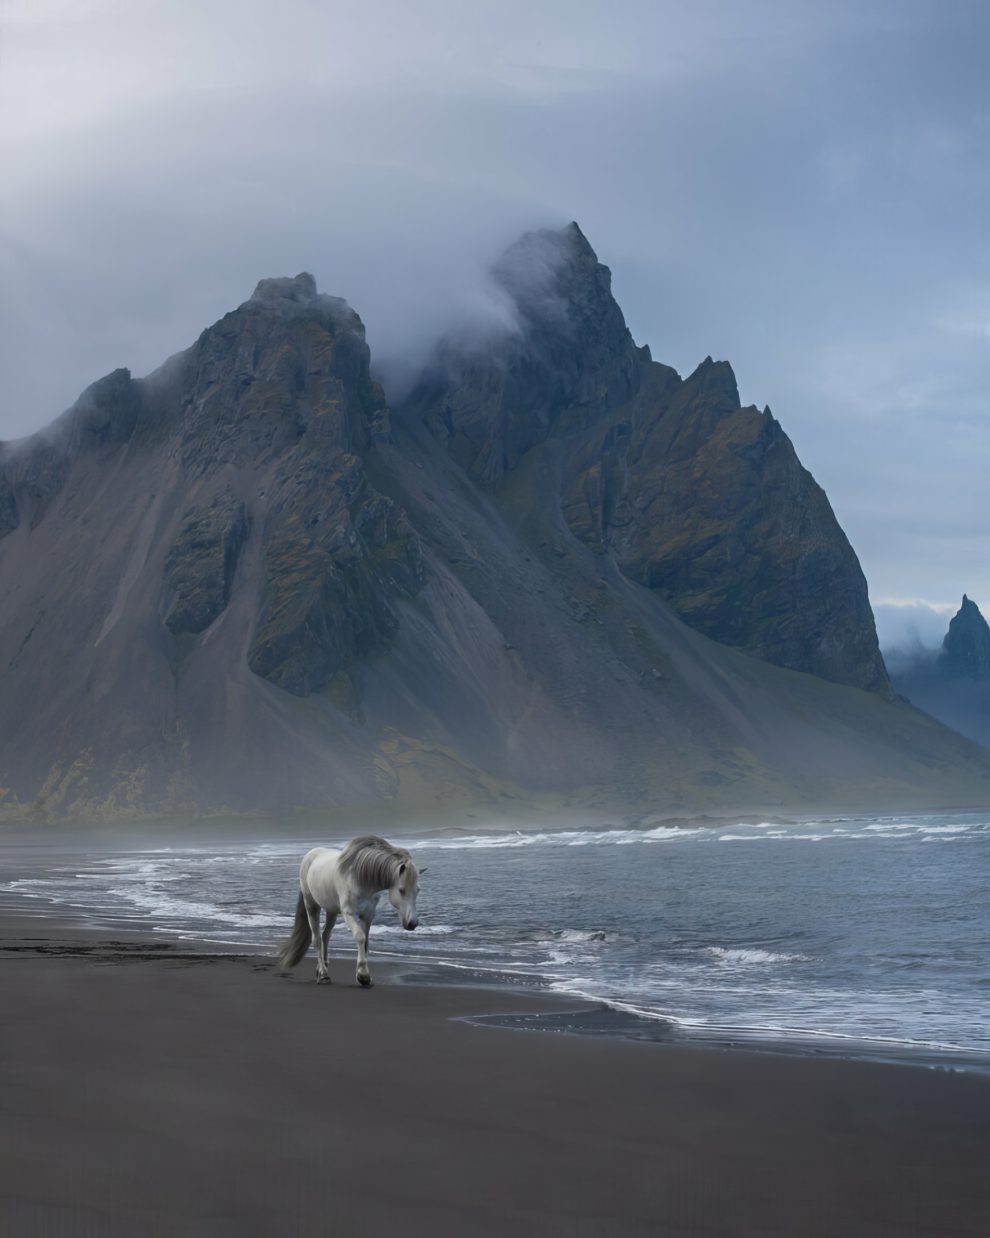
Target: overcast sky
801,189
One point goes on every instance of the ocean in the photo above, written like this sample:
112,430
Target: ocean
857,936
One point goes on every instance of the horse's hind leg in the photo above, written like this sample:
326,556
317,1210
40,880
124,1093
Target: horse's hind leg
313,914
327,929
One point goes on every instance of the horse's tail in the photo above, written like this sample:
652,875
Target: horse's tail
298,943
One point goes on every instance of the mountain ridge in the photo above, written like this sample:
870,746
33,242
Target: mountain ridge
245,584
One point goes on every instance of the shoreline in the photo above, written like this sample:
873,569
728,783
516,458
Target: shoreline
527,817
572,1012
614,1015
149,1086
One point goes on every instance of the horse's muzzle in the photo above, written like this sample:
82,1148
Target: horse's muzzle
411,925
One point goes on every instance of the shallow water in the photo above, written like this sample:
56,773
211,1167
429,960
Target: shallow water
853,931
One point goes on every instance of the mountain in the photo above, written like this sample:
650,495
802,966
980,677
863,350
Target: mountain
555,573
697,498
966,647
952,683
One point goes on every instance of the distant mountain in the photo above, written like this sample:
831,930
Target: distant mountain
952,683
556,573
966,648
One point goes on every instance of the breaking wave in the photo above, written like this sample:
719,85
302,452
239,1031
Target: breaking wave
748,956
556,838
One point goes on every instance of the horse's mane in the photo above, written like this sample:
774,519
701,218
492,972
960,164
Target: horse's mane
372,862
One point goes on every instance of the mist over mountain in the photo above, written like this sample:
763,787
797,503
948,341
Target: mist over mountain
952,683
552,571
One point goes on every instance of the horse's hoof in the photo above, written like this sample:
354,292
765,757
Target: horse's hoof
364,981
323,980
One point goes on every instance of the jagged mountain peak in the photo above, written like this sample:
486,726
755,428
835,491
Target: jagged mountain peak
568,362
953,682
293,298
546,256
715,382
295,288
671,477
557,284
288,361
966,647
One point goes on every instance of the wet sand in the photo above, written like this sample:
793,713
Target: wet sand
146,1089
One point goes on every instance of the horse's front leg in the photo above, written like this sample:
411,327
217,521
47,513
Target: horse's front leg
360,933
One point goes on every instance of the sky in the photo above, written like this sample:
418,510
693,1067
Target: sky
802,189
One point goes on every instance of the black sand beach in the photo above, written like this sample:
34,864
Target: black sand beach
148,1090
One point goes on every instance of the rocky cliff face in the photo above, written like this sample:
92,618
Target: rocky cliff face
242,584
285,381
564,359
701,500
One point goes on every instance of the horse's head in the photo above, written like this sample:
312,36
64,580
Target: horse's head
402,893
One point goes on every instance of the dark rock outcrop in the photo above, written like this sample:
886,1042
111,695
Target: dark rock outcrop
199,567
694,496
286,379
966,647
35,471
336,556
707,503
290,364
563,358
9,515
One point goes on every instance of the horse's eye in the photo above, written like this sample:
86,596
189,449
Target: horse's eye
402,892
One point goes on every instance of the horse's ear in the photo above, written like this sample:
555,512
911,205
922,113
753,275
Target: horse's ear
402,868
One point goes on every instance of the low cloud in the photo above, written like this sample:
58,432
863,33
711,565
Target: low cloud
790,186
911,624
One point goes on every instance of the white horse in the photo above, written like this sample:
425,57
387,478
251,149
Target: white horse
349,883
